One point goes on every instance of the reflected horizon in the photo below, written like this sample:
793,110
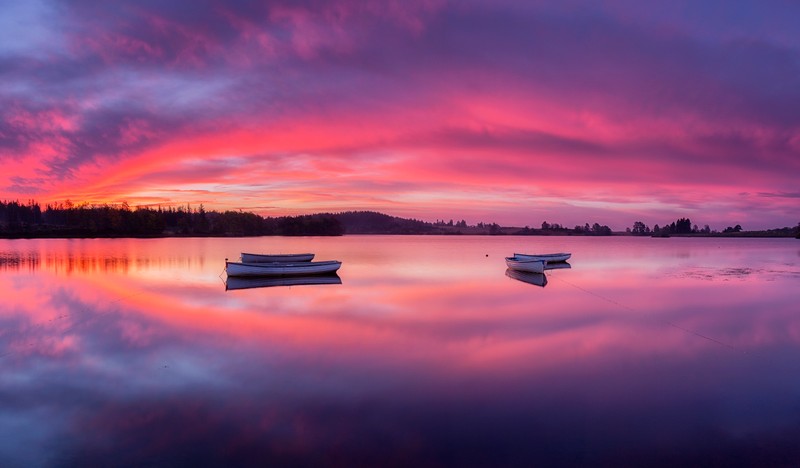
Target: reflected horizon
423,350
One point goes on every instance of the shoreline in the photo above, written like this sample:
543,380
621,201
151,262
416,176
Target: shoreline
738,235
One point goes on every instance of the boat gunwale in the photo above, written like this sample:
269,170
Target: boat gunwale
553,257
285,264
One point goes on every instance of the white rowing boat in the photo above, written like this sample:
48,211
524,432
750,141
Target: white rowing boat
281,268
523,264
248,282
269,258
553,257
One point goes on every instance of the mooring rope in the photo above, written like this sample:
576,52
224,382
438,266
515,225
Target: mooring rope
672,324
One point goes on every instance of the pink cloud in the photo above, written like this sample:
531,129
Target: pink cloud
526,111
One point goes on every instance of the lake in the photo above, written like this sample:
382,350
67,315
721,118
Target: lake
679,351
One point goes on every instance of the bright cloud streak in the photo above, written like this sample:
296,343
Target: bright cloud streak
514,112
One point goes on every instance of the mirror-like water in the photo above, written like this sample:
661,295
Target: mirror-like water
656,351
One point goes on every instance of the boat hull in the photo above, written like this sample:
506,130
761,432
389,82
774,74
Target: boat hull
281,268
533,266
554,257
270,258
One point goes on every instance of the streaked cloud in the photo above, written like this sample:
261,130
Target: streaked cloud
428,109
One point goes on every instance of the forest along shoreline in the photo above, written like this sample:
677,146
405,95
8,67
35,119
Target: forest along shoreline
66,220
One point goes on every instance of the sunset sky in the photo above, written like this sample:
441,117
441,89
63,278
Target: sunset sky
514,112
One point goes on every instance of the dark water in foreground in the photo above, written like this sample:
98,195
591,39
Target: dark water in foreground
646,351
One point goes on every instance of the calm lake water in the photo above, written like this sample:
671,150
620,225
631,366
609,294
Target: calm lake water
646,351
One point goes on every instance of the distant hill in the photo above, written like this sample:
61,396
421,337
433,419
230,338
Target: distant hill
371,222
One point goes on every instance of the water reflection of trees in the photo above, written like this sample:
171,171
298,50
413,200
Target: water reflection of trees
67,264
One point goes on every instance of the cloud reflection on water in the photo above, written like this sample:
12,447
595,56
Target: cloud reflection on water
157,364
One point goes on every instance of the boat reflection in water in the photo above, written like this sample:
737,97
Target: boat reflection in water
238,282
538,279
557,266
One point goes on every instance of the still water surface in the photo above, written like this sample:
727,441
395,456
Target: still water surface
645,351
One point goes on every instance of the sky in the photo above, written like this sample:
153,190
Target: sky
514,112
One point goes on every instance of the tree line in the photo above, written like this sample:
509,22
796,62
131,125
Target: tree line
29,219
70,220
684,226
555,229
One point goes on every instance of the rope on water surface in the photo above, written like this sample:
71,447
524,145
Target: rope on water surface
672,324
